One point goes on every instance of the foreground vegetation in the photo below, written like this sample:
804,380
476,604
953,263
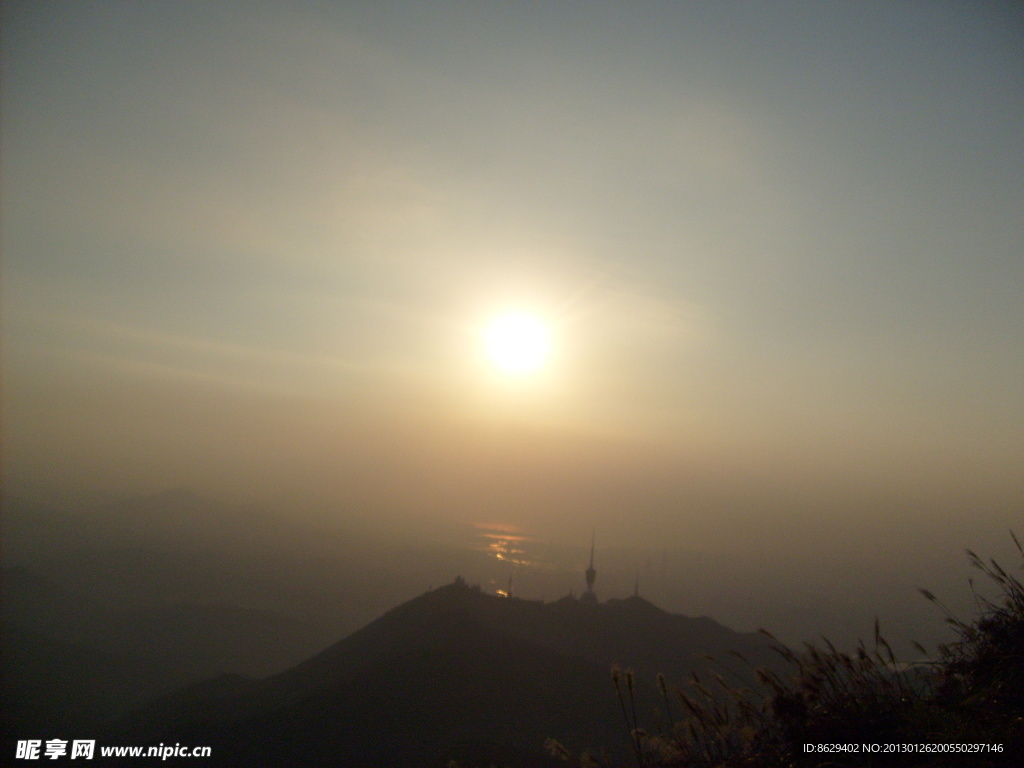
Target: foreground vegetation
964,709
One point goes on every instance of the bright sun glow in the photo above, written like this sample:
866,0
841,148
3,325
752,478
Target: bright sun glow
517,344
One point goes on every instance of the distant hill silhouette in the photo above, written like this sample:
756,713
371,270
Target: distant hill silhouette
115,605
71,659
177,547
452,674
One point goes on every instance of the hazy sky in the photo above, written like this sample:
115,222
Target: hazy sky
249,248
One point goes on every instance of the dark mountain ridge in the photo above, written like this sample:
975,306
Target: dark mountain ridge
452,674
68,657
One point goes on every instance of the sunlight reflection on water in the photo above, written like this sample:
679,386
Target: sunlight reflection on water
506,543
516,561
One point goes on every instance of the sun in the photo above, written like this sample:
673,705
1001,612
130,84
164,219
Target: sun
517,343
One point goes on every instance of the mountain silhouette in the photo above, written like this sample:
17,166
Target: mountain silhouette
68,658
452,674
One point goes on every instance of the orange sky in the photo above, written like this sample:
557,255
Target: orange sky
249,250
